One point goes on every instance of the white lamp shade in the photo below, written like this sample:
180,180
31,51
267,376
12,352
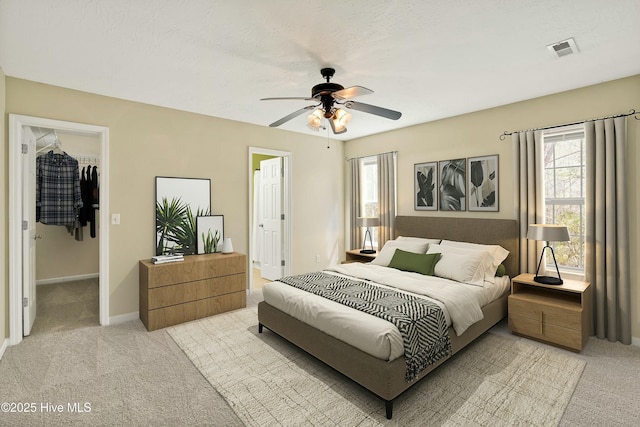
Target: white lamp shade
364,221
548,233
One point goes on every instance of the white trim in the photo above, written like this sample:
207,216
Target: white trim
3,347
16,123
122,318
635,341
288,220
67,279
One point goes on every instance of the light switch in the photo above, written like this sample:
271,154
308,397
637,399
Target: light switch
115,219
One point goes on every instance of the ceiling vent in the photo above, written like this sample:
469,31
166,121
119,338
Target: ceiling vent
563,48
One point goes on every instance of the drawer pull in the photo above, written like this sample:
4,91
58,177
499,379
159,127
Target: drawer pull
541,322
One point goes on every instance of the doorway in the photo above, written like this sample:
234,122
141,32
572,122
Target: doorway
269,229
22,235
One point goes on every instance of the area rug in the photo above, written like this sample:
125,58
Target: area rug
496,381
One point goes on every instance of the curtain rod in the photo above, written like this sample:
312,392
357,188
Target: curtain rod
631,112
370,155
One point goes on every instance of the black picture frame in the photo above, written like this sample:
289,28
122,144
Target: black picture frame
179,201
483,180
453,182
425,185
209,224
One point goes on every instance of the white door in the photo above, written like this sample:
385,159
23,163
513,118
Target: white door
271,218
29,232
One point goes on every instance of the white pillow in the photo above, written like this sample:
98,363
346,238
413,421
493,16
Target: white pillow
461,264
420,239
389,248
497,252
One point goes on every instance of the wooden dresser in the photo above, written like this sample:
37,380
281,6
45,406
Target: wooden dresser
555,314
199,286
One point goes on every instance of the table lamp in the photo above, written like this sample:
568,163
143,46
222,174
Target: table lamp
548,233
368,222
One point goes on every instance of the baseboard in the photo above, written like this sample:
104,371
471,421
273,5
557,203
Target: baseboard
635,341
3,347
122,318
68,279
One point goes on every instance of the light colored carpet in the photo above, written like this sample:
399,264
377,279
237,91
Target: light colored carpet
267,381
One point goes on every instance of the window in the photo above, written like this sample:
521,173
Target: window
369,192
564,187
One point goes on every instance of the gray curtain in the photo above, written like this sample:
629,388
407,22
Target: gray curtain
529,197
386,197
356,230
607,233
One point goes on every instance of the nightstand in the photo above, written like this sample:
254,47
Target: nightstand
555,314
354,255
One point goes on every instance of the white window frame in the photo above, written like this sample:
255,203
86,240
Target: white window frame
577,272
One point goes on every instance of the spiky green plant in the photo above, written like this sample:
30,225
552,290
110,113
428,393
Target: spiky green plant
169,215
211,242
185,233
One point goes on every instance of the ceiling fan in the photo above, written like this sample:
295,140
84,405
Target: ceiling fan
329,97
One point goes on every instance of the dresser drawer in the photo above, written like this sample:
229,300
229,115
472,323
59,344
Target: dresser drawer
569,317
570,338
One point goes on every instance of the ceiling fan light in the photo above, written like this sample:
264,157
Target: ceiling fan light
340,120
315,119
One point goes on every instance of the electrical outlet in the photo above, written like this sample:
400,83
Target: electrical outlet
115,219
317,258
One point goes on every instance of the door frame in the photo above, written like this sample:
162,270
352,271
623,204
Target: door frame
16,123
286,207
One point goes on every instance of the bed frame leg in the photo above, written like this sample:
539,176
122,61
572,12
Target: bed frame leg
388,406
259,328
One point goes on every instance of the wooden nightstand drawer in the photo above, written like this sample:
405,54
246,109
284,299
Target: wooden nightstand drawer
571,338
566,316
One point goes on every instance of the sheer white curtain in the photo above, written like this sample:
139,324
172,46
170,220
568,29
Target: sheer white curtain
386,197
607,248
529,197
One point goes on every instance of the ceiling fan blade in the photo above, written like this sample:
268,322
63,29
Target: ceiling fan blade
350,92
289,98
372,109
291,116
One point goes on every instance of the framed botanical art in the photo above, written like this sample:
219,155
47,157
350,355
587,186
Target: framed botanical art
179,201
453,185
483,183
210,232
425,177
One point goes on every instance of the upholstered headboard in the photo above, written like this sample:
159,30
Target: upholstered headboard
503,232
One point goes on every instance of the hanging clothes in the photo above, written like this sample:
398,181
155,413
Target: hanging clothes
95,200
58,196
85,190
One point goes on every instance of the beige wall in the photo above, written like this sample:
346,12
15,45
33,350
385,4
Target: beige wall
4,195
148,141
478,134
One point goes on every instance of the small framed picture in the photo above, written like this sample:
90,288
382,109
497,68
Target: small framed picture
453,181
425,177
209,233
483,183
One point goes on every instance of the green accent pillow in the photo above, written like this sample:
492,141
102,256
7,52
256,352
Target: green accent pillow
410,261
501,271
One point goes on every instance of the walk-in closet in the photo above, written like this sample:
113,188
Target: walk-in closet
67,202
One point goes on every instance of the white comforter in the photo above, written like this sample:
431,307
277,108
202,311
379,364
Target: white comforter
461,304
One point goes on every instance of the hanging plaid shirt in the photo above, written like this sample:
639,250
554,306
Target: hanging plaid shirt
58,194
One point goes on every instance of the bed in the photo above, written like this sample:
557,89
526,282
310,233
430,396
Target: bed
387,376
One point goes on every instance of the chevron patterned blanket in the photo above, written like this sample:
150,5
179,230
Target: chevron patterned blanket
421,322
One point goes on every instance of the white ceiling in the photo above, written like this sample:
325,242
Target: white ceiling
428,59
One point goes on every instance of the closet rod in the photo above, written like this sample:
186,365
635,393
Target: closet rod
631,112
